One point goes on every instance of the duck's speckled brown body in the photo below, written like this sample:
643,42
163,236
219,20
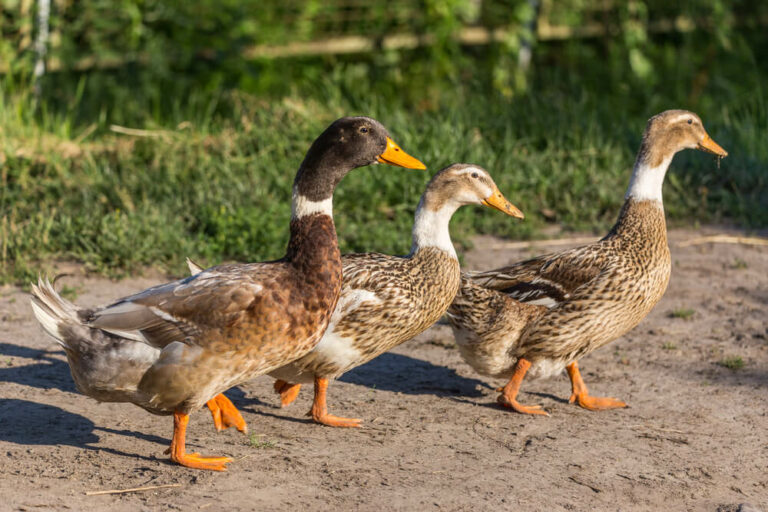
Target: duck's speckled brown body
540,316
598,293
174,347
387,300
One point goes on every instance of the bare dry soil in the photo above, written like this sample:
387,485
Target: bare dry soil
695,373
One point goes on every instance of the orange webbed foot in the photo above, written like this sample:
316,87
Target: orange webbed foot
334,421
512,403
508,396
287,391
596,403
196,461
225,414
319,411
191,460
580,393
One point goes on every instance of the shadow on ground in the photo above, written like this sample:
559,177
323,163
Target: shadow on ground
30,423
34,423
50,372
411,376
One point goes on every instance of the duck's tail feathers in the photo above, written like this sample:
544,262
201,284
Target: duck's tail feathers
105,365
194,268
52,310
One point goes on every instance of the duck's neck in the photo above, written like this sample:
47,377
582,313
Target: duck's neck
313,234
642,214
302,206
640,223
430,228
649,172
313,242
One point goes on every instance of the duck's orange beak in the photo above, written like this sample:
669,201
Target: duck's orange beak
393,155
710,146
498,201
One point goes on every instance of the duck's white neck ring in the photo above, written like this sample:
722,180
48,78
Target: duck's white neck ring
646,182
301,206
430,228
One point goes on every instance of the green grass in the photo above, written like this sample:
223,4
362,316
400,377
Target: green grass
732,363
668,345
69,292
683,313
738,264
215,183
256,441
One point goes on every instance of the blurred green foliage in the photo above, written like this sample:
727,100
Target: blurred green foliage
211,179
203,43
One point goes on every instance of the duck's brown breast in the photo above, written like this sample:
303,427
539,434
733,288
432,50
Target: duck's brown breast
285,309
289,317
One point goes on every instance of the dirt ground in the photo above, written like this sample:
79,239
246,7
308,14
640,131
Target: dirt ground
694,438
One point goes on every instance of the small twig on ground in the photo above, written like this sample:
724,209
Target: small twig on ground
660,429
676,440
724,239
134,489
595,489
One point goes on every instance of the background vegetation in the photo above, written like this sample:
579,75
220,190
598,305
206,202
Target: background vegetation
169,129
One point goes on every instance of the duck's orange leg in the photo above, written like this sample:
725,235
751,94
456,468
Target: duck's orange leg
225,414
287,391
191,460
579,393
508,396
319,411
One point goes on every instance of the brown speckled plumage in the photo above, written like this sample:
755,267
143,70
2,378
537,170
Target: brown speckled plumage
387,300
405,295
600,292
540,315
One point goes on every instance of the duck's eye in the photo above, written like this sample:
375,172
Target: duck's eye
363,130
474,175
690,121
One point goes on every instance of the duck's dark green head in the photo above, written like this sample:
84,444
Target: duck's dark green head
348,143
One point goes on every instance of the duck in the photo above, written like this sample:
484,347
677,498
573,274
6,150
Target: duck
540,316
174,347
386,300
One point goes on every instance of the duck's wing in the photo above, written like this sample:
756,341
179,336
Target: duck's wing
547,280
215,299
374,278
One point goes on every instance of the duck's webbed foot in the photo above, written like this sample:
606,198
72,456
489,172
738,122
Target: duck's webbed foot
508,396
225,414
581,395
191,460
287,391
319,411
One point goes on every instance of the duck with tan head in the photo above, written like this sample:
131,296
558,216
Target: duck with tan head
542,315
387,300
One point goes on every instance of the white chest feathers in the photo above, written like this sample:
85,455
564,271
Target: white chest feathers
334,347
